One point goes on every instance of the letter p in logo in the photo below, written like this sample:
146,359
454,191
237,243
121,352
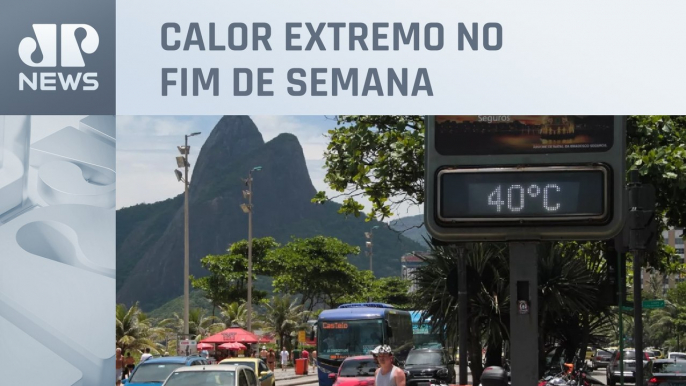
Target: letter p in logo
46,34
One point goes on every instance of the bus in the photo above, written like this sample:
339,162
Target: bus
356,329
422,335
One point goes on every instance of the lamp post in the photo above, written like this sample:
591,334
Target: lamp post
182,162
370,247
248,209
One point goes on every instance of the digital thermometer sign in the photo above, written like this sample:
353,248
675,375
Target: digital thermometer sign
523,194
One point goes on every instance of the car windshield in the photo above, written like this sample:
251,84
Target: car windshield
424,358
677,356
240,363
669,368
341,339
358,368
153,372
201,378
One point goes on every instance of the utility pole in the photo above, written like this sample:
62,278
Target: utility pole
186,245
642,238
248,209
463,310
370,251
182,161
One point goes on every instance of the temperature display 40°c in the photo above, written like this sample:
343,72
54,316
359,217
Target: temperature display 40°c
506,194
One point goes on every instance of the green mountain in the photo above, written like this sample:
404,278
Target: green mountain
412,227
150,236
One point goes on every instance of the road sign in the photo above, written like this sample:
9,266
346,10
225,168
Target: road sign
301,336
656,303
506,178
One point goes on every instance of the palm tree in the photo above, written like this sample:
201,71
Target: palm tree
235,313
283,316
199,325
669,322
488,276
133,329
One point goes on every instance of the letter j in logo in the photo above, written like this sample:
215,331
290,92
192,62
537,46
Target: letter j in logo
46,39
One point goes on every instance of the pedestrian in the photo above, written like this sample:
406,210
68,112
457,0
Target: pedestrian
145,355
263,353
271,359
119,360
129,362
305,355
388,374
284,358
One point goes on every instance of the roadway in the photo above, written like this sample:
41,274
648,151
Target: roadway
311,380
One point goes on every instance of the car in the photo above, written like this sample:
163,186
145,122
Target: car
676,355
589,353
613,369
426,366
666,371
355,371
601,358
212,375
266,377
154,371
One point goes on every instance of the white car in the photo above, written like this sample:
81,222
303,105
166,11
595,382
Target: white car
676,355
212,375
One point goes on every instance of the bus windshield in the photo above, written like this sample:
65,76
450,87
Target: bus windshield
341,339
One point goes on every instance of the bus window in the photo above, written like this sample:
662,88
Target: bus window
341,339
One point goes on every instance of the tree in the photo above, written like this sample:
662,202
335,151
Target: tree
228,278
379,157
237,314
316,268
133,329
677,295
199,325
392,290
488,299
283,316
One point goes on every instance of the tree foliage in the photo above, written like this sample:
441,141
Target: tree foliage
228,278
317,269
283,315
379,157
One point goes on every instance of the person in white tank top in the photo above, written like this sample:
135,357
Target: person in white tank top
387,374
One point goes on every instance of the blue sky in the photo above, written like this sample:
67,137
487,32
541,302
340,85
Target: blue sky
146,147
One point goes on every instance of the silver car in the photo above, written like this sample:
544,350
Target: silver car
212,375
601,358
613,371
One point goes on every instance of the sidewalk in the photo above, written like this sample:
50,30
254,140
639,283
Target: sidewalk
289,378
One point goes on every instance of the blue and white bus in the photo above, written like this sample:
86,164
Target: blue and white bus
356,329
422,335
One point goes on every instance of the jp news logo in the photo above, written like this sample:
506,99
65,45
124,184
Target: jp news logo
71,56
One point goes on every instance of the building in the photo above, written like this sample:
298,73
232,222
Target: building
409,263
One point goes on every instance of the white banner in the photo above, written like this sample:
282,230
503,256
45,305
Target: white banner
314,57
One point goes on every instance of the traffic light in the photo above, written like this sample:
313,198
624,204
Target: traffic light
615,276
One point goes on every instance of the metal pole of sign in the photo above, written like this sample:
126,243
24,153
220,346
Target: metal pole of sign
620,284
463,304
524,312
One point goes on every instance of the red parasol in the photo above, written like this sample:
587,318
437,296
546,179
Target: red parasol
205,346
232,346
232,335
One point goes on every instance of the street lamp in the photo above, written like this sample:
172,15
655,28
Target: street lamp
182,162
370,246
247,208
